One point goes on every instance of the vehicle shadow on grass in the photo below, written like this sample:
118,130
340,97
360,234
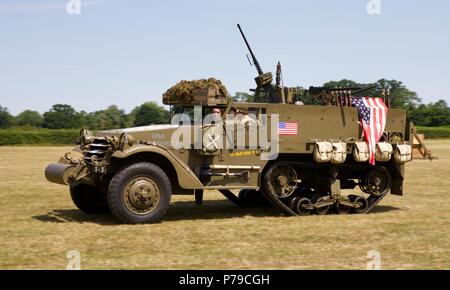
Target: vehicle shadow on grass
383,208
179,210
182,210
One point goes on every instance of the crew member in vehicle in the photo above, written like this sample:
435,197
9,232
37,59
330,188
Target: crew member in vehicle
242,116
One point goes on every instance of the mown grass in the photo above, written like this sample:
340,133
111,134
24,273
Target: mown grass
39,225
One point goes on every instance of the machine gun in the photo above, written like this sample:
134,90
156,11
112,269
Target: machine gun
267,92
263,79
264,91
336,96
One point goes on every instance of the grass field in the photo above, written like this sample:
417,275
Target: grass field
39,225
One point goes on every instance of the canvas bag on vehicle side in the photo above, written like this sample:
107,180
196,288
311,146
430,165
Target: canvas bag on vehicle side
402,153
361,152
339,153
322,151
383,152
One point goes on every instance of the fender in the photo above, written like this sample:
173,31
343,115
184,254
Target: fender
186,177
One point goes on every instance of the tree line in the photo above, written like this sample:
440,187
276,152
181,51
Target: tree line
63,116
435,114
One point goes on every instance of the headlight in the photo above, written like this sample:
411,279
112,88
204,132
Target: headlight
125,140
84,137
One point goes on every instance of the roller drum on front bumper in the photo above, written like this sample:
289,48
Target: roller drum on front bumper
59,173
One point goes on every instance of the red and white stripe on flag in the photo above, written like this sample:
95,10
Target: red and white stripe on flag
287,128
374,128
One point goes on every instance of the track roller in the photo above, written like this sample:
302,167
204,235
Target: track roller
323,205
343,206
361,204
302,205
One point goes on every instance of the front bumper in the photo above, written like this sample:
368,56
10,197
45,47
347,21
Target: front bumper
59,173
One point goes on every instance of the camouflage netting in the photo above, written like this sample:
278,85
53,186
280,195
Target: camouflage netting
184,89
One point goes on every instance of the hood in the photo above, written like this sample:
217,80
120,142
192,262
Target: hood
140,129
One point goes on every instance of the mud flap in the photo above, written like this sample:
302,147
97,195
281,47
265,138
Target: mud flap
397,172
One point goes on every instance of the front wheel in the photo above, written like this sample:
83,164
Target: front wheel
89,199
139,193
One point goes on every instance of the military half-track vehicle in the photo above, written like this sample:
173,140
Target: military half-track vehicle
318,154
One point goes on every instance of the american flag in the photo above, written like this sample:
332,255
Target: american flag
287,128
372,113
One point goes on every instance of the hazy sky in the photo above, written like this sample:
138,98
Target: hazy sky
128,52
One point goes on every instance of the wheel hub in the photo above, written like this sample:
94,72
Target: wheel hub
378,181
284,181
142,195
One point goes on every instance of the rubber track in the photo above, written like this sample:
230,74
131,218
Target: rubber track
373,199
231,197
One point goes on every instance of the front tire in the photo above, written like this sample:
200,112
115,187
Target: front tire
139,193
89,199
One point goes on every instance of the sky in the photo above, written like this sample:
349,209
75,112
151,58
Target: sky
130,52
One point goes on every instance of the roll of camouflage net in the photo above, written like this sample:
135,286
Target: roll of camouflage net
183,91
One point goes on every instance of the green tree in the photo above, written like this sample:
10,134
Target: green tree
6,119
400,95
110,118
341,84
30,118
129,119
149,113
62,116
88,120
431,115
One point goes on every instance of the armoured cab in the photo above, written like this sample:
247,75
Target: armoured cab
219,150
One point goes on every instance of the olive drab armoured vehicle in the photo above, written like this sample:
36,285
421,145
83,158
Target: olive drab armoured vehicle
319,153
